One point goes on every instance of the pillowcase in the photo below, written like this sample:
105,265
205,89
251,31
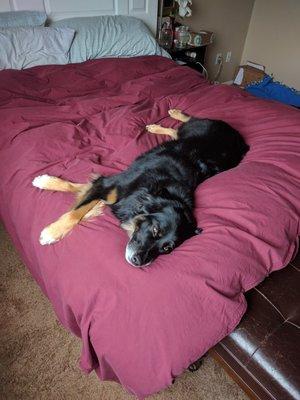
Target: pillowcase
28,47
15,19
109,36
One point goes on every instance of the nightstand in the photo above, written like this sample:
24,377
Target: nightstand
179,54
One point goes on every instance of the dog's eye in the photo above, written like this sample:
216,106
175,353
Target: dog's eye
155,231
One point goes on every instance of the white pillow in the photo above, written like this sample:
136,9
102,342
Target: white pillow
109,36
14,19
27,47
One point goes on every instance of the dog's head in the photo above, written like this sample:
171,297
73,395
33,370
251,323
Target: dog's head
158,233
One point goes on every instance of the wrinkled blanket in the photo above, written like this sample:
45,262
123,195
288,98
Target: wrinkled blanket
143,327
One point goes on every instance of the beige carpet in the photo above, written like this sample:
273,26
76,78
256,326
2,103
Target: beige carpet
39,359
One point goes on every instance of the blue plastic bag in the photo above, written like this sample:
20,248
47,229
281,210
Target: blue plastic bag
269,89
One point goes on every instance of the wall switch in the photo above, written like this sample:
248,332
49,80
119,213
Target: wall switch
228,56
218,58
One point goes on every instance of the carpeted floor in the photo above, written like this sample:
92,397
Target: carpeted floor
39,359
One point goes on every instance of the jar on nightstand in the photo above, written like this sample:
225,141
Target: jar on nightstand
182,36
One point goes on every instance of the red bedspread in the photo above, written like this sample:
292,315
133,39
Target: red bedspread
144,327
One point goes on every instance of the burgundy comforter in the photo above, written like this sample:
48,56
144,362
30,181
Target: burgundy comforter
144,327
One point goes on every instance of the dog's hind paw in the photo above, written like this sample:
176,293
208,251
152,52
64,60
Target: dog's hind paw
46,237
175,113
41,181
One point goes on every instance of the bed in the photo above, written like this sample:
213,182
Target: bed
143,328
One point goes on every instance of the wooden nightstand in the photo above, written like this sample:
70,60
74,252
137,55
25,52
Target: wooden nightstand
179,54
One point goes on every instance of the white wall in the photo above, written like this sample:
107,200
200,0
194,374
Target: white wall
273,39
229,20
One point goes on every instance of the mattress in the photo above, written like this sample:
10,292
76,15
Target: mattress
143,327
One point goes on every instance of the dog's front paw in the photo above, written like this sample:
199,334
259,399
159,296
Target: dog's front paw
58,229
95,211
41,181
46,237
154,128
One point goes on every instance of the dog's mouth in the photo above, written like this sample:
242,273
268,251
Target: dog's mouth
135,258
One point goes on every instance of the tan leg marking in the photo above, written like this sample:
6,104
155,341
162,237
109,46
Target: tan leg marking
95,211
112,196
58,229
81,193
47,182
177,114
129,227
159,130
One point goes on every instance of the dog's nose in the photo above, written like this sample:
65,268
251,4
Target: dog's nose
136,260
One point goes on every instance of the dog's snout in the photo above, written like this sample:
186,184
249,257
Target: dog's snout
136,260
135,257
132,256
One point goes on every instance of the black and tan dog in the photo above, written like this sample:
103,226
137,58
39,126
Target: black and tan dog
154,197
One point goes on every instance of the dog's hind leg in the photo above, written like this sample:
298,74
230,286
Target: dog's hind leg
48,182
60,228
178,115
160,130
106,194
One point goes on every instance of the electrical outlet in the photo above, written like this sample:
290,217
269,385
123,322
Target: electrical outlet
228,56
218,58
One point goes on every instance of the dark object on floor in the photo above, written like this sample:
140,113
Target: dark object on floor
267,88
196,365
262,355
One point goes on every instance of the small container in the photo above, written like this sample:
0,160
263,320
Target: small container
166,36
182,35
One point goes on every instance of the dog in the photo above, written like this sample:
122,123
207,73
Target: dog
154,198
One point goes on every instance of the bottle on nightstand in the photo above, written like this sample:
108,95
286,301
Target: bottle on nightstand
166,35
